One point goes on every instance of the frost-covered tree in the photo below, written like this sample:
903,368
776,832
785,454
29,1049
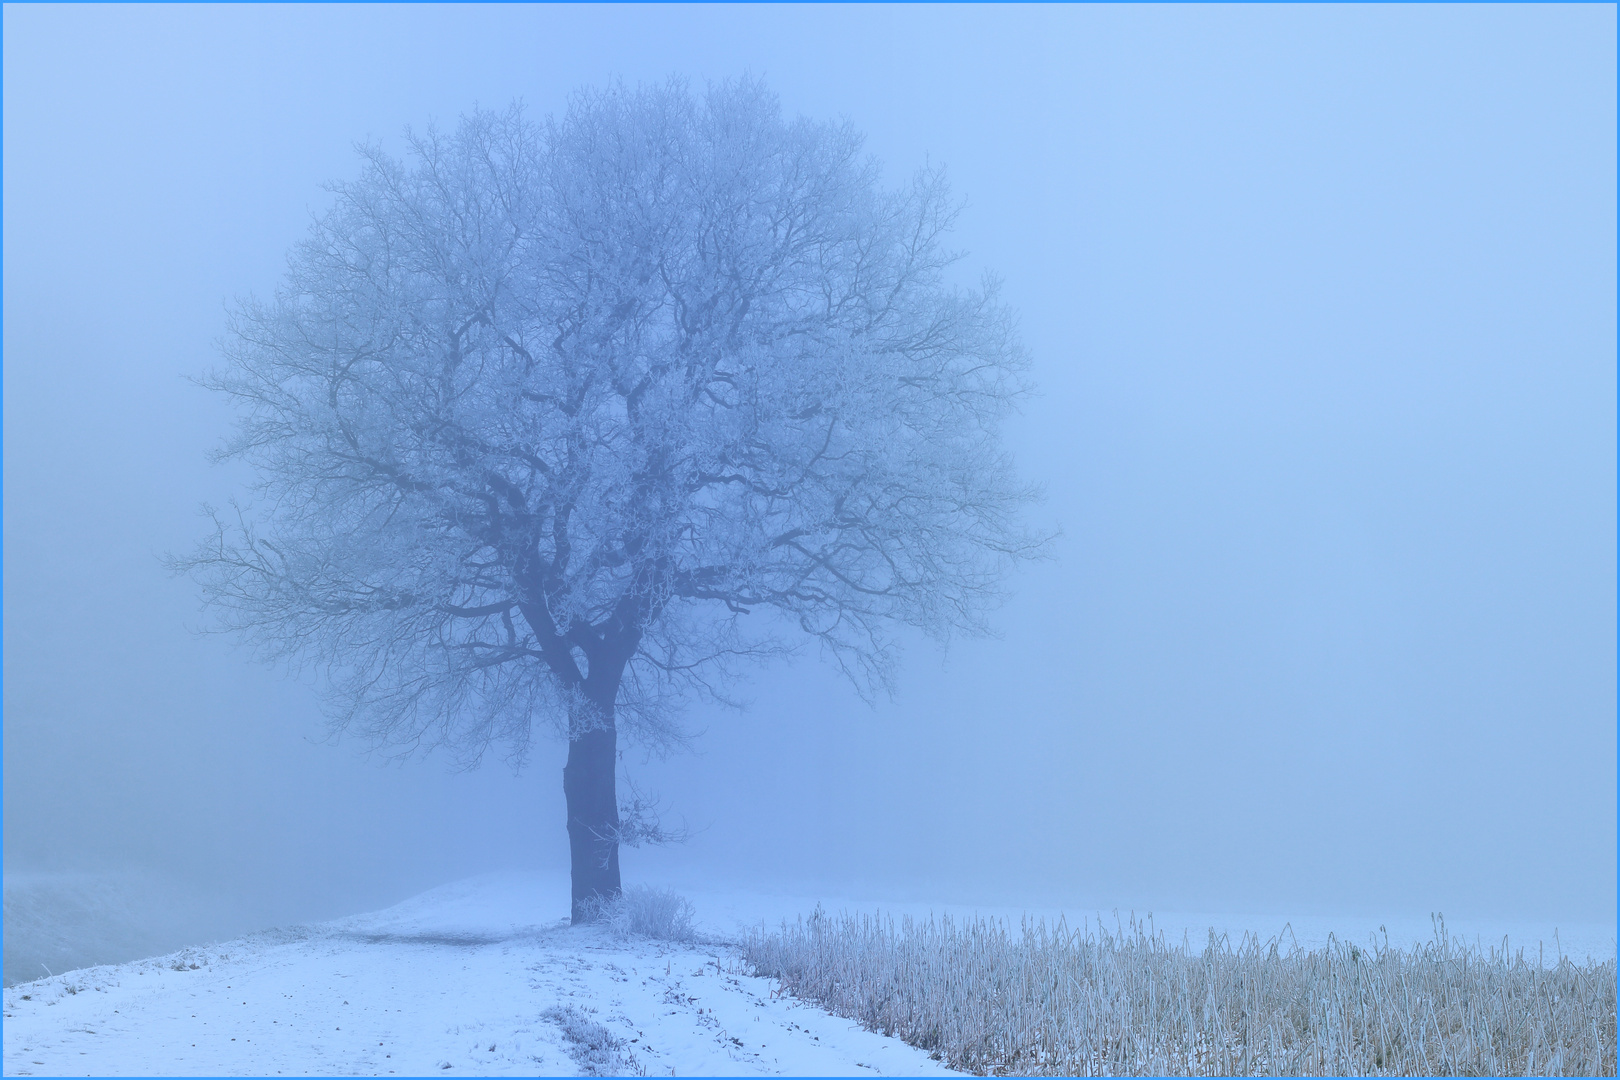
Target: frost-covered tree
554,422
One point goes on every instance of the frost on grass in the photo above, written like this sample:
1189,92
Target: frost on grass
987,998
594,1049
645,911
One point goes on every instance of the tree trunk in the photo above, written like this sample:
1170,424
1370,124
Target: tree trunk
590,784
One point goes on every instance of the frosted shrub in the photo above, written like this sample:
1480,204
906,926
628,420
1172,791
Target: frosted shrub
645,911
987,998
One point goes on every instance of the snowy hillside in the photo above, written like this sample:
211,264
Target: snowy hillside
477,977
484,976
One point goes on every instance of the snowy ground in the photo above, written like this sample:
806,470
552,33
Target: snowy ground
460,980
59,921
454,981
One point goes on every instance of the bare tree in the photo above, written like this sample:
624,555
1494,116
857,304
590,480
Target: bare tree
540,417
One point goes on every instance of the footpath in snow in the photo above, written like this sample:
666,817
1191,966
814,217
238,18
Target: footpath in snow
472,978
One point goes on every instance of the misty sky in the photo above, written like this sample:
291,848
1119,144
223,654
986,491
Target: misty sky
1322,309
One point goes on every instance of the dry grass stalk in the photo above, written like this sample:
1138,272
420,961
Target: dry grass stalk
989,999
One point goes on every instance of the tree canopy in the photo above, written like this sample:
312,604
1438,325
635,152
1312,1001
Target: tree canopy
542,416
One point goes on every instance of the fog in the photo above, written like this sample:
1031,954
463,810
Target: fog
1321,304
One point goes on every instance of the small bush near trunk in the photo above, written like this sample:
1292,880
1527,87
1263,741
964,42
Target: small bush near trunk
991,999
645,911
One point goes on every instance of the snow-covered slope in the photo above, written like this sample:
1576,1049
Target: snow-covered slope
485,976
477,977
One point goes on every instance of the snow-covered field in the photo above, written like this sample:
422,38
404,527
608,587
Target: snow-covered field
457,980
485,976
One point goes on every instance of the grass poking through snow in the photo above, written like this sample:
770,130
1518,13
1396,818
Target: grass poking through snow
988,998
592,1046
